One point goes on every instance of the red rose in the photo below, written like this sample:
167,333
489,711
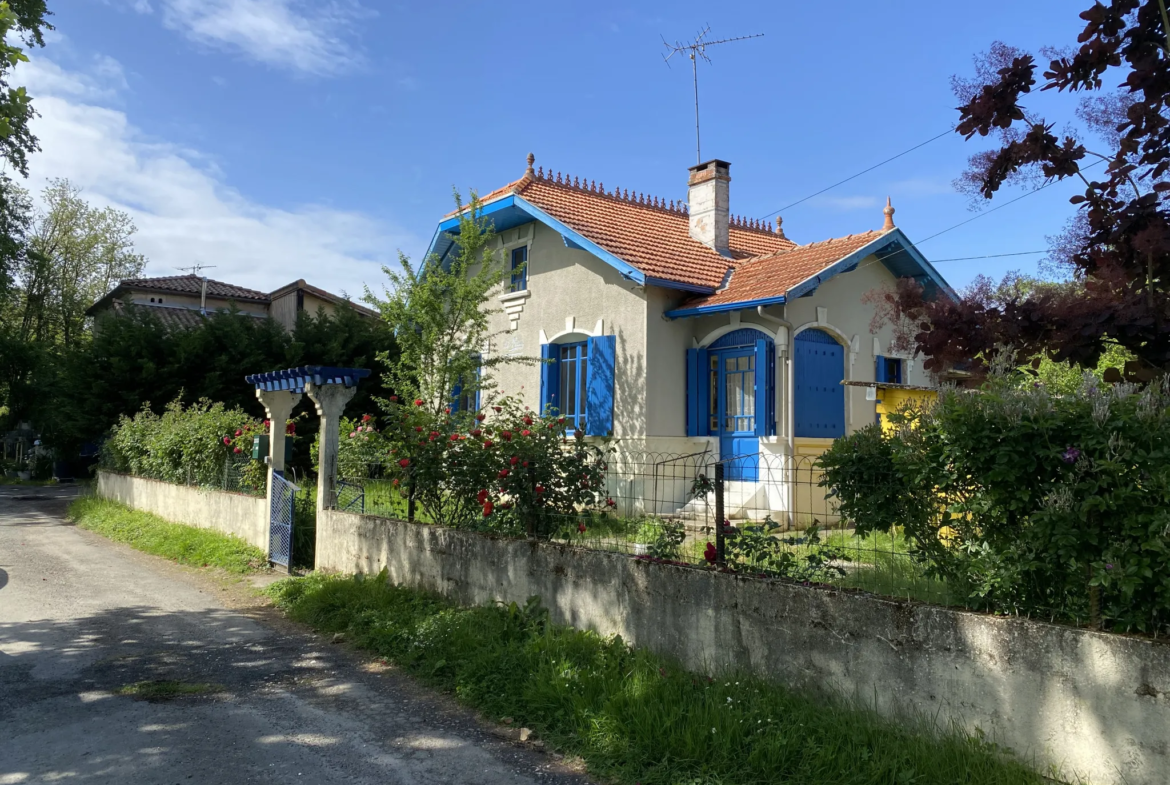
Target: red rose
404,462
267,423
480,417
528,421
481,497
393,399
710,554
454,437
515,460
434,434
395,482
525,432
487,508
227,440
506,435
237,451
477,433
552,425
291,429
581,527
487,443
418,428
418,401
540,489
611,502
366,418
352,434
577,434
526,464
498,409
561,420
503,473
239,432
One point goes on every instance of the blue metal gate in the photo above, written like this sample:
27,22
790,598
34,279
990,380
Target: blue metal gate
280,521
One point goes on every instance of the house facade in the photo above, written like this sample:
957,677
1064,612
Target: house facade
183,301
681,329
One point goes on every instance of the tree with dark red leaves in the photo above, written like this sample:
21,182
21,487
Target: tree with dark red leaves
1118,246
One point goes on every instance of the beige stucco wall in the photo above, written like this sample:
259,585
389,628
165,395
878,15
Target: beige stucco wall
245,517
571,288
570,292
1092,703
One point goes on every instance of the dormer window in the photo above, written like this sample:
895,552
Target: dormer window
519,268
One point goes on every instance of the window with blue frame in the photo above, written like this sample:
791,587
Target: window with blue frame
574,387
889,370
519,268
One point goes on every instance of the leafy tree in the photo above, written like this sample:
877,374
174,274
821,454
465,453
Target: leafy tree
76,254
440,314
1118,247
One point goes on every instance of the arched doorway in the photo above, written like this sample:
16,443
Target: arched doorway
818,395
741,384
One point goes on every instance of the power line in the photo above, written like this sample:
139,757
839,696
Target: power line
988,256
859,174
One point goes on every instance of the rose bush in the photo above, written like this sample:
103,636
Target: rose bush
505,468
1024,500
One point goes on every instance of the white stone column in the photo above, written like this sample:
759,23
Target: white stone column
330,400
278,405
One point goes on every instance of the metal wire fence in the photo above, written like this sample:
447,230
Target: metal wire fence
765,515
237,474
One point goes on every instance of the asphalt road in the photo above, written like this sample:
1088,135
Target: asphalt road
82,618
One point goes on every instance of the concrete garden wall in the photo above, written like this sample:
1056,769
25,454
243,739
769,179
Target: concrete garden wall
231,513
1094,703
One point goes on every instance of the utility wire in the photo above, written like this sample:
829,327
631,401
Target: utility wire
859,174
988,256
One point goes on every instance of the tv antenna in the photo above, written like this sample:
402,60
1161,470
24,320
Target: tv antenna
196,268
695,50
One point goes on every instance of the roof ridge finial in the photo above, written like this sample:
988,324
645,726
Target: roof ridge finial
531,160
889,213
780,227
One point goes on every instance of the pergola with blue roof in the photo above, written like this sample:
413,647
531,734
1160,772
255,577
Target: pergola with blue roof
330,388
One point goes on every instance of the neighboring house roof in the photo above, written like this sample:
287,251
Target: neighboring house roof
193,284
169,317
648,240
322,294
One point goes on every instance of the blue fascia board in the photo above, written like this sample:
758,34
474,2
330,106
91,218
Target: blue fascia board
922,262
628,271
485,210
684,287
703,310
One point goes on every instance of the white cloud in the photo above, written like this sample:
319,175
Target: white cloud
306,37
184,210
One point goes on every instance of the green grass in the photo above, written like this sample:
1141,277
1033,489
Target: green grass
632,716
152,534
161,690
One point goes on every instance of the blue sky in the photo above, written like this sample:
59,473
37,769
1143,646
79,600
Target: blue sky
279,139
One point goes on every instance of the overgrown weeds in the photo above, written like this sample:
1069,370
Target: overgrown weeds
631,715
152,534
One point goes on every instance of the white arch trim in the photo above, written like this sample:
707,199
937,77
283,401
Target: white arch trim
839,336
719,332
574,333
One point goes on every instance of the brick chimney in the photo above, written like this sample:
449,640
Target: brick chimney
708,204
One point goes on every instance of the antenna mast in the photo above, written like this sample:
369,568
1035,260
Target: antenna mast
196,268
694,51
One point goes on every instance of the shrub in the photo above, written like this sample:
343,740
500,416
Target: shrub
1027,501
186,444
504,469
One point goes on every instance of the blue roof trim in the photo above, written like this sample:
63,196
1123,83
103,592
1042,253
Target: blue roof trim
510,208
682,313
295,379
686,287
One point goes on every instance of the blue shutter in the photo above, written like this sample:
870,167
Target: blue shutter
478,375
897,372
765,388
550,377
880,372
456,393
599,403
697,392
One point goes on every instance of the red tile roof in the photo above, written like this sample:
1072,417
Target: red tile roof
644,231
773,275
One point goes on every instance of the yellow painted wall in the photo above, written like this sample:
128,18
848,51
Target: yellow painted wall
891,399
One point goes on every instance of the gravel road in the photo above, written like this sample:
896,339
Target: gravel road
82,618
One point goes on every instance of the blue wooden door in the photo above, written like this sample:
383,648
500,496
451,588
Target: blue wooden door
737,413
819,396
